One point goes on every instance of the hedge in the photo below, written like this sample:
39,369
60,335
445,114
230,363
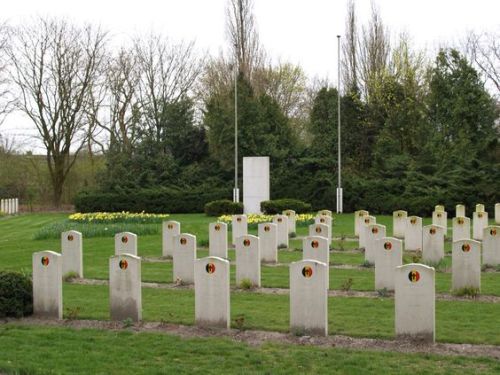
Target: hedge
277,206
223,207
16,295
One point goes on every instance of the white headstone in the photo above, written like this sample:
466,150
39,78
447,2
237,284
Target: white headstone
319,230
399,223
184,257
459,210
292,226
367,220
239,227
479,222
211,292
47,285
325,212
497,213
2,205
71,251
466,264
16,205
9,206
415,301
125,295
256,184
325,219
373,234
268,236
170,229
281,222
413,233
491,245
358,220
316,248
125,243
479,207
439,208
309,298
388,256
248,260
433,243
217,240
460,228
440,218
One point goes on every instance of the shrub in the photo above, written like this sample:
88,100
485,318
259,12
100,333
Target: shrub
223,207
277,206
16,295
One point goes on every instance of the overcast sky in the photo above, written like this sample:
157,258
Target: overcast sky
300,31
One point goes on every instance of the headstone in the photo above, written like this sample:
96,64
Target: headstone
373,234
9,209
491,245
415,302
125,294
239,227
268,236
479,207
125,243
388,256
367,220
248,260
47,285
439,208
479,222
497,213
71,252
325,219
281,222
413,233
433,243
316,248
440,218
325,212
399,223
309,298
459,210
292,226
466,264
170,229
460,228
2,206
319,230
217,240
211,292
16,205
256,184
358,220
184,257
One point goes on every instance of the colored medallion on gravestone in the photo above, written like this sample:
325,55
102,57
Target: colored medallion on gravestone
388,246
493,232
238,219
438,215
367,221
480,215
374,230
432,231
123,264
183,241
45,261
315,244
465,247
124,239
318,230
280,220
414,276
246,242
460,221
307,272
267,228
361,214
288,214
413,220
399,214
210,267
170,226
70,237
321,220
217,227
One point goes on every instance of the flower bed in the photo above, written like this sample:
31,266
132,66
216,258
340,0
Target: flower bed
254,219
117,217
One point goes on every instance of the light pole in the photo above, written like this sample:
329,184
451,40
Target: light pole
236,191
339,160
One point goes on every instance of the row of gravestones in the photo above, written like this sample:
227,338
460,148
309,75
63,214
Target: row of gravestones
9,206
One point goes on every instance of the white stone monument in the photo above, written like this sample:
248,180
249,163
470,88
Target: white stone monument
211,292
439,208
358,220
367,220
460,210
388,256
497,213
399,223
440,218
125,243
125,295
170,229
217,240
184,257
248,260
479,207
466,264
256,184
319,230
479,222
415,302
71,252
292,220
239,227
374,233
281,222
268,239
316,248
325,212
460,228
433,243
325,219
47,285
413,233
491,245
309,298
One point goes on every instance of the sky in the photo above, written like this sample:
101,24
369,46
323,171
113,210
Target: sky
300,31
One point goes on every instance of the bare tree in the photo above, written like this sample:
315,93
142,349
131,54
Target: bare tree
55,69
5,99
350,50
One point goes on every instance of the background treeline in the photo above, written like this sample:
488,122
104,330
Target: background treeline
150,126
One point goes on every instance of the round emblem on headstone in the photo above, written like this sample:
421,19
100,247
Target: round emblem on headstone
413,276
399,214
314,244
210,267
321,220
217,227
70,237
439,215
238,219
413,220
246,242
45,261
465,247
307,272
267,228
432,231
493,232
124,239
374,230
367,221
318,230
480,215
123,264
388,246
183,241
279,220
288,214
170,226
460,221
361,214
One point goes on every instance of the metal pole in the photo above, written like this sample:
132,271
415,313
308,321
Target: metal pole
236,193
339,160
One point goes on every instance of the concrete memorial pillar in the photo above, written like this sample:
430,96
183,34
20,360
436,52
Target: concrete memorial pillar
239,227
268,239
466,264
125,243
399,223
358,220
388,256
125,294
170,230
373,234
256,184
248,260
433,243
217,240
184,257
292,219
460,228
71,251
47,285
281,222
491,245
413,233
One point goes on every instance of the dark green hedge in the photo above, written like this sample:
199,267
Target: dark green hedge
277,206
223,207
162,200
16,295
